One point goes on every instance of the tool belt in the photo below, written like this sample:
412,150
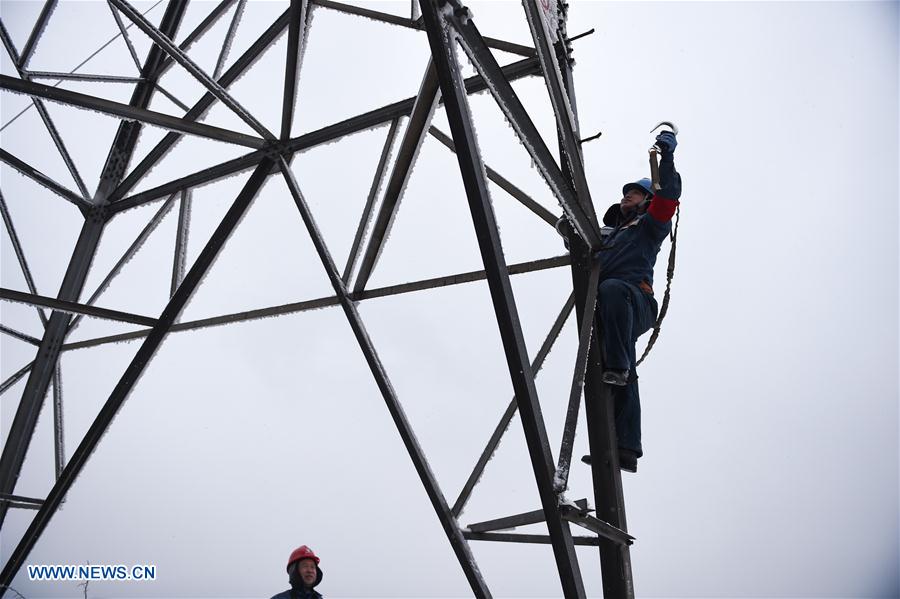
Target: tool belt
645,287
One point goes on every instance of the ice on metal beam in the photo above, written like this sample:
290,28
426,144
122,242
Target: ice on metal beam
73,307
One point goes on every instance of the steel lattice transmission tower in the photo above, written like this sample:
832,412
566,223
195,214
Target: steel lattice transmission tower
448,25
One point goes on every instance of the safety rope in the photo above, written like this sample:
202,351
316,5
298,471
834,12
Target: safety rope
670,273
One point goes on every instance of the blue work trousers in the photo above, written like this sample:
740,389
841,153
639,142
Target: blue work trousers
625,313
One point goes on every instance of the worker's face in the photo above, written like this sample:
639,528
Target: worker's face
631,200
306,568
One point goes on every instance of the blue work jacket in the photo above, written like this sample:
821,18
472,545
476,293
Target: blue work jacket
629,252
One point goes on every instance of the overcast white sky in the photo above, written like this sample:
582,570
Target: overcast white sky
770,402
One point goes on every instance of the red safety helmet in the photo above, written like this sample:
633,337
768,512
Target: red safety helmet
302,552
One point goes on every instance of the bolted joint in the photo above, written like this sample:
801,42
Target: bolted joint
97,213
51,350
286,153
275,151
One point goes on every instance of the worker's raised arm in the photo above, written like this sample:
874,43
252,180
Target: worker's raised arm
665,201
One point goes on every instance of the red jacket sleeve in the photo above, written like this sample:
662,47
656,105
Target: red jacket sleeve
662,209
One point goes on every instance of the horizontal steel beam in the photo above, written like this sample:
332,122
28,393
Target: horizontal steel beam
18,501
363,122
324,302
508,522
390,19
81,77
73,307
467,277
511,522
126,111
523,538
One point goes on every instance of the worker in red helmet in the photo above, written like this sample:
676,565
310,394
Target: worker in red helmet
303,573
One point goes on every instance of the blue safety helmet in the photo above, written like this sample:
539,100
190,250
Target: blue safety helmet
644,185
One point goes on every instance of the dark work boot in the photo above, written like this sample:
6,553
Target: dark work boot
615,377
627,460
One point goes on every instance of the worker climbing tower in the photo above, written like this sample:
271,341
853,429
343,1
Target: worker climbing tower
449,27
